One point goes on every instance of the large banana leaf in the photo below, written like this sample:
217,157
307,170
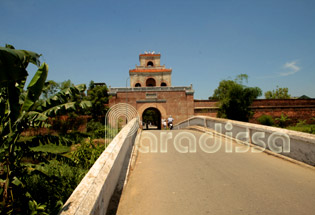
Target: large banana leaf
61,97
85,104
13,63
35,87
37,119
81,87
64,108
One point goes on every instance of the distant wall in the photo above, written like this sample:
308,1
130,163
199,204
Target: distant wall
205,108
295,109
301,145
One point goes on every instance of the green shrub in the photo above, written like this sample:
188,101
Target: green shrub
97,130
301,123
53,184
93,125
266,120
283,120
86,154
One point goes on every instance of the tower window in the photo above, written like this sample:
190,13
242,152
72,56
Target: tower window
163,84
138,85
150,82
150,63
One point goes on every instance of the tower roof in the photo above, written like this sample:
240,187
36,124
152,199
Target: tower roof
150,55
150,70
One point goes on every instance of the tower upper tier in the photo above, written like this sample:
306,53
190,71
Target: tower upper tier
150,73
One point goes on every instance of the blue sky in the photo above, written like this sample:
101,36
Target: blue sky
203,41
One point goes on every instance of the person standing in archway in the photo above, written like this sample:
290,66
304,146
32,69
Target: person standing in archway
170,122
164,123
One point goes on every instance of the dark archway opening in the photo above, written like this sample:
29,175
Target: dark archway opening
150,82
138,85
163,84
150,63
151,119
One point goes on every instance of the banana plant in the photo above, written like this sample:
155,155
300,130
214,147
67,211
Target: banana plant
20,110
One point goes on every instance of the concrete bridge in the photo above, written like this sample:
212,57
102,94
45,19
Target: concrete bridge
205,166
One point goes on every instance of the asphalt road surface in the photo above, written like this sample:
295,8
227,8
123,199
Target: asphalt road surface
215,183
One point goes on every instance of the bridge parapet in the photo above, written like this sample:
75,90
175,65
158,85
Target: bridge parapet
93,194
293,144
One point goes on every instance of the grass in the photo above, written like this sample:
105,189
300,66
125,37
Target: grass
52,148
307,128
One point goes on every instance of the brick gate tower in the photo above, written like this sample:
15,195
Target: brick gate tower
151,89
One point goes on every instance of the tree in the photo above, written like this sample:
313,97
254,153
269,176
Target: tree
279,93
50,88
20,110
235,98
65,84
98,96
91,85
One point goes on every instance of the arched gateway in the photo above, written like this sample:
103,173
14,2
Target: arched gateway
156,108
151,118
152,93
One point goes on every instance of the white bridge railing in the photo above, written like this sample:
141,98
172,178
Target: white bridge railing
293,144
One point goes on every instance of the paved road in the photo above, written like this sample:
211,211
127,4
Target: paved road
216,183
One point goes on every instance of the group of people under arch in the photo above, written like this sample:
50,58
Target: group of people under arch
152,119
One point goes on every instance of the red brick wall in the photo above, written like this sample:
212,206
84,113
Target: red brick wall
283,102
205,108
205,103
295,109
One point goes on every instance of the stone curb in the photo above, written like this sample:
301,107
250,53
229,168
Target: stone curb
133,157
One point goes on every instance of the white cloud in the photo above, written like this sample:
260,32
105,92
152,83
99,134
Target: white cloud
291,68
